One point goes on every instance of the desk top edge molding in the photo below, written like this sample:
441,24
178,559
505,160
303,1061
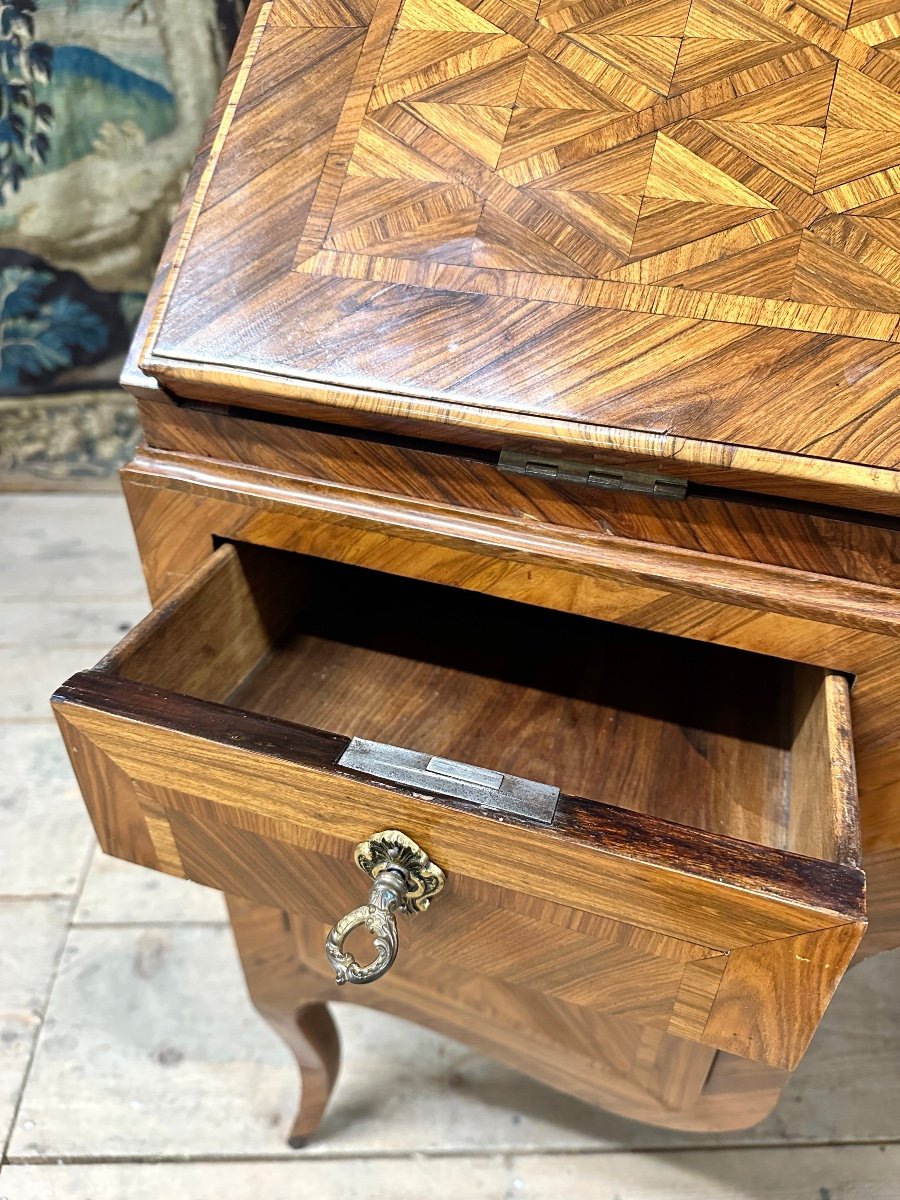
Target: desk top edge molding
786,449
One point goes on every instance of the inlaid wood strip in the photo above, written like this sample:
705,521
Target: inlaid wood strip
170,758
486,157
860,606
347,129
159,827
845,485
174,532
696,996
194,207
693,305
729,525
758,972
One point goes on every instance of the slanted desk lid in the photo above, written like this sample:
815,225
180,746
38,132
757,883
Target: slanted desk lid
669,228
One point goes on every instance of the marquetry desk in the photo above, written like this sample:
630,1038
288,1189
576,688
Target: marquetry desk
520,504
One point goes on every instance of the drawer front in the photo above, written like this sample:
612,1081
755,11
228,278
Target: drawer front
732,944
476,927
351,471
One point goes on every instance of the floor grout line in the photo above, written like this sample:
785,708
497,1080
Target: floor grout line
286,1156
43,647
24,720
74,597
195,923
49,720
54,972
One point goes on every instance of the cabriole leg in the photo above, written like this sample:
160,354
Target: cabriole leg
289,999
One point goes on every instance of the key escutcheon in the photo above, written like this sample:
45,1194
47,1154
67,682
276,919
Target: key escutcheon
405,880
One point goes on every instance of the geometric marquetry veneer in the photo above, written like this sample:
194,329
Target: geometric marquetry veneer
519,503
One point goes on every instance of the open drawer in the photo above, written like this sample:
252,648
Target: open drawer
696,871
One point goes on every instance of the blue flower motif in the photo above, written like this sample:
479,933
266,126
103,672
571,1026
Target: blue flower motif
41,336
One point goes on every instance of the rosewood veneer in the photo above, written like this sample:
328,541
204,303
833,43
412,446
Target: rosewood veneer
520,504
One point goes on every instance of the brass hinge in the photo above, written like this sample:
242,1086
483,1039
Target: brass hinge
613,479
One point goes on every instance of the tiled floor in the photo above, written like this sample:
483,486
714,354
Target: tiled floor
132,1065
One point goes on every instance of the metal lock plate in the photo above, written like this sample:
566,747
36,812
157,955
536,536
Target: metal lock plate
491,789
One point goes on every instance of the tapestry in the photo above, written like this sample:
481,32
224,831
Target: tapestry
102,103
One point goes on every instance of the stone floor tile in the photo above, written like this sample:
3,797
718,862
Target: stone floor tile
301,1179
118,893
789,1173
67,546
31,936
822,1173
45,833
151,1048
94,624
31,674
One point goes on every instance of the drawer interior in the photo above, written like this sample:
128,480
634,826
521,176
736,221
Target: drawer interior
714,738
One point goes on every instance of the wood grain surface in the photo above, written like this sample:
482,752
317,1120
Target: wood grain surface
658,233
743,525
180,504
649,910
406,205
632,1069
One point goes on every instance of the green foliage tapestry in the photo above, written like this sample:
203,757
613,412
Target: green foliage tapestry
102,103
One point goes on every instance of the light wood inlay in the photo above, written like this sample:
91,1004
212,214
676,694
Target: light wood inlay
712,588
609,906
635,1070
686,200
658,233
